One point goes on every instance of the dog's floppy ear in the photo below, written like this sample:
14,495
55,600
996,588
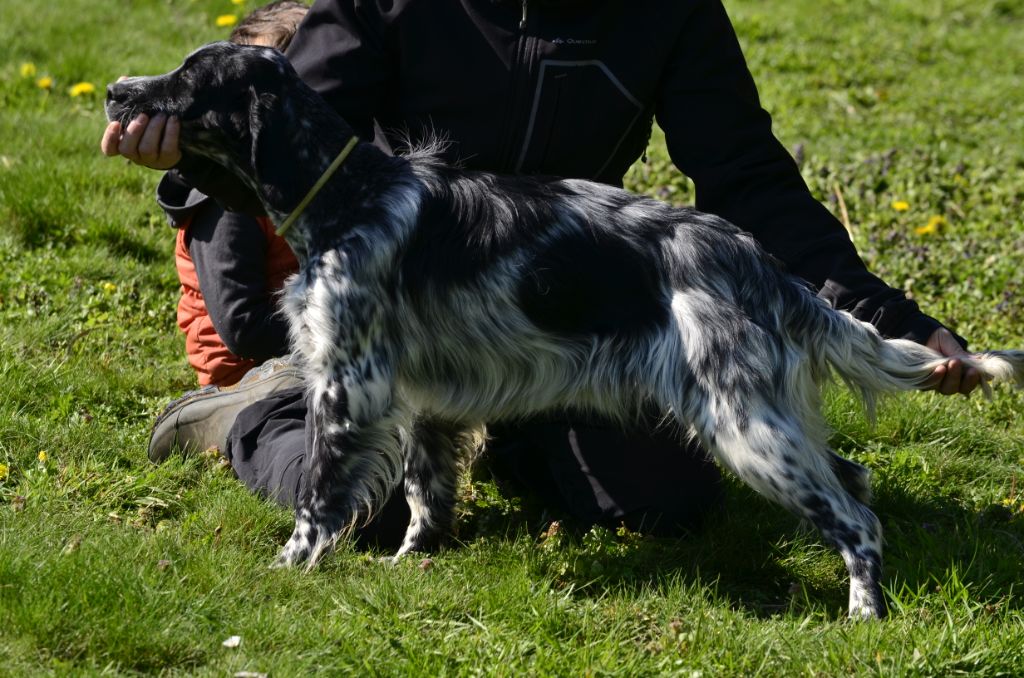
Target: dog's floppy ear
261,108
267,132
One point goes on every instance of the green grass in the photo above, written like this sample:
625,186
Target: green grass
111,565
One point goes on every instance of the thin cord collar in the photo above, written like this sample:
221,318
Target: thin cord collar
328,173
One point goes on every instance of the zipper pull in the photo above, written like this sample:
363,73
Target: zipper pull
522,21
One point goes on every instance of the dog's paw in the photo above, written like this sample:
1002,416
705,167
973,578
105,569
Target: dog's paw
867,602
299,547
867,613
291,555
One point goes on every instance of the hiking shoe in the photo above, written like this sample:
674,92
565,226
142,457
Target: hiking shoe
201,419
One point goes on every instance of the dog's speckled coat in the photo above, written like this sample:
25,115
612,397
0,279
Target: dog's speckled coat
431,299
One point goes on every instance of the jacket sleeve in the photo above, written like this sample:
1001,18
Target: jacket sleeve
340,50
718,135
229,253
212,180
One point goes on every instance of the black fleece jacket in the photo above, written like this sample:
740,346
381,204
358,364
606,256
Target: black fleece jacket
570,88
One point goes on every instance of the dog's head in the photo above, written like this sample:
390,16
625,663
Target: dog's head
222,94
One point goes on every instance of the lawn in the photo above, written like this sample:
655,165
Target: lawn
907,118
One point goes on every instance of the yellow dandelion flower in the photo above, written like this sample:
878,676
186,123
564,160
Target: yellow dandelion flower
42,456
932,226
225,20
28,70
4,471
81,88
1008,502
109,287
237,2
900,205
45,82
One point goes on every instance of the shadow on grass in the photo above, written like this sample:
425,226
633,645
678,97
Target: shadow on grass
57,223
125,245
937,546
757,558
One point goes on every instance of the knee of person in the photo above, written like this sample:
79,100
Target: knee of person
286,485
677,514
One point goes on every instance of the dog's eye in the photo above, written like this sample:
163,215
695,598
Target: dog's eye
183,81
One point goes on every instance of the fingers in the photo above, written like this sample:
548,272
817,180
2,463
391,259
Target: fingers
954,377
149,142
111,138
129,145
970,381
950,383
169,147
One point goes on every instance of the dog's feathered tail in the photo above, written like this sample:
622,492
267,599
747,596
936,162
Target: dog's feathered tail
875,366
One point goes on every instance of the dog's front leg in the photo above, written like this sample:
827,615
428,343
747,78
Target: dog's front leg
431,475
354,461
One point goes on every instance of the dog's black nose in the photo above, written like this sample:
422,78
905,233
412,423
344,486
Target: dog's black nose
117,90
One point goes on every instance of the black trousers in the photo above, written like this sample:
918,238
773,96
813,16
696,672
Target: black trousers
591,473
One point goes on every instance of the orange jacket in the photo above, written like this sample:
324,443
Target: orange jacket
211,359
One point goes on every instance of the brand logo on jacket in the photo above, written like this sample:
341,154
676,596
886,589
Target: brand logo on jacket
573,41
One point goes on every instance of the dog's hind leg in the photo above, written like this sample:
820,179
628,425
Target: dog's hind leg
769,449
431,474
854,477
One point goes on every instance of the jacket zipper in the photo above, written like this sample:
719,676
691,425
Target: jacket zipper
519,67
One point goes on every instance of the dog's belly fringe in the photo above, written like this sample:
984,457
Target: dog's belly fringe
474,386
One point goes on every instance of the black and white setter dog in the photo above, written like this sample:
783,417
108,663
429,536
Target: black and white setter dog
431,299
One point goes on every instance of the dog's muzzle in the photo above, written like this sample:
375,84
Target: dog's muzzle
120,95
